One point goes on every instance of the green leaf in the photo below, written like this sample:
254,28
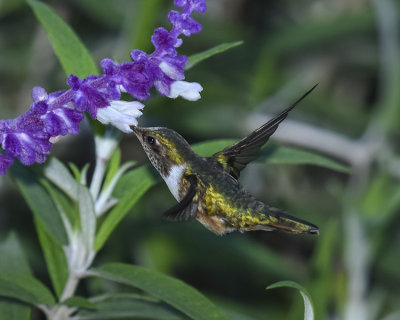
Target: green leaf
75,170
105,12
173,291
56,172
80,302
65,205
274,154
87,216
198,57
25,288
13,309
13,259
208,148
55,259
308,306
112,167
141,26
69,49
40,202
288,155
130,189
124,306
324,272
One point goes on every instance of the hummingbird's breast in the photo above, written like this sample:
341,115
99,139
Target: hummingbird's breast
174,180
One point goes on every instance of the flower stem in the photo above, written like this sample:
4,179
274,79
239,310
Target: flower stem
70,286
97,178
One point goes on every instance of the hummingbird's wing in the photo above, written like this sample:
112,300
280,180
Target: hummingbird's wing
235,158
186,208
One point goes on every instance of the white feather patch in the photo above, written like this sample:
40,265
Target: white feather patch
174,180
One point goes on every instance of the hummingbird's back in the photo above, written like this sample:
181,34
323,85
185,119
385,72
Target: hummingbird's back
223,201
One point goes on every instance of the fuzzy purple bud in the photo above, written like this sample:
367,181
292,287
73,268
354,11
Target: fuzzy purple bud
184,23
5,162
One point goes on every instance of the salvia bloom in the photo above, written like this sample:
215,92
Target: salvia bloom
29,137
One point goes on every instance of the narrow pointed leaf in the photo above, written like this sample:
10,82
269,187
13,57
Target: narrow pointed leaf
140,27
288,155
40,202
87,215
55,259
112,167
75,170
65,205
129,189
308,306
13,309
198,57
13,259
25,288
80,302
173,291
57,173
69,49
132,308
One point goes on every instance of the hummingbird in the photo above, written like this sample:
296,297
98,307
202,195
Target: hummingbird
207,188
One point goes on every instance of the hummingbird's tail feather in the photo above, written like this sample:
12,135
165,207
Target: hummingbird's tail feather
277,219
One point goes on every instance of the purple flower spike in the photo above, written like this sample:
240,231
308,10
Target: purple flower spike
29,137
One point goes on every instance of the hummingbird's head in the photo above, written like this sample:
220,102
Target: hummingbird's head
164,147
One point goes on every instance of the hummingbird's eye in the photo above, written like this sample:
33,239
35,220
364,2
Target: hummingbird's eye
151,140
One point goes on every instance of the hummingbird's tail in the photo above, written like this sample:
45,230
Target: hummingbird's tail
277,219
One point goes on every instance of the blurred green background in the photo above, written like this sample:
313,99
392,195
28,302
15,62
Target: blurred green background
349,47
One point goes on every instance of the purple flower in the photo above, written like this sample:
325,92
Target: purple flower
184,23
29,137
5,162
191,5
25,138
133,77
87,97
165,42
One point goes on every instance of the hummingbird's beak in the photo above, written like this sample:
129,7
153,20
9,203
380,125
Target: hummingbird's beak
137,130
134,129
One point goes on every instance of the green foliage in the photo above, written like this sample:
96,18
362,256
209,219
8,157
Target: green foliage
80,302
198,57
129,190
13,258
25,288
40,202
113,166
308,305
173,291
117,306
55,259
72,54
141,25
